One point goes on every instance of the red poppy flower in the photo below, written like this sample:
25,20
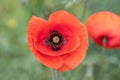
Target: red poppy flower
104,25
59,43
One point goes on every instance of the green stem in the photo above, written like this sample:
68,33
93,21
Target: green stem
85,2
103,63
54,74
89,72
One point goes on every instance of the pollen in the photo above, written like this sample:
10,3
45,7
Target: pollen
55,40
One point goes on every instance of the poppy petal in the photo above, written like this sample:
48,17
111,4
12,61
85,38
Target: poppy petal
65,18
34,24
49,61
73,59
114,42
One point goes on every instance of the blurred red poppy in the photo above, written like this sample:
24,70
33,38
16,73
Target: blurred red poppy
59,43
104,25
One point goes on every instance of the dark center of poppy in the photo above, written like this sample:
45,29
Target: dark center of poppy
55,40
104,40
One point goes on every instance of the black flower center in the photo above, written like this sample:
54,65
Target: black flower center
55,40
105,40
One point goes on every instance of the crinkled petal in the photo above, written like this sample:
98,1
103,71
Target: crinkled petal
65,18
73,59
34,24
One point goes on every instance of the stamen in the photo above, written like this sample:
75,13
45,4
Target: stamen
55,40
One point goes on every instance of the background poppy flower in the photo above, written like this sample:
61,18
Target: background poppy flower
59,43
104,25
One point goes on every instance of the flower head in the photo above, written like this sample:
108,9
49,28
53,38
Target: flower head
59,43
104,25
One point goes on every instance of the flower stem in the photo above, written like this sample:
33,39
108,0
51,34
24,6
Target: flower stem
89,72
85,2
103,66
54,74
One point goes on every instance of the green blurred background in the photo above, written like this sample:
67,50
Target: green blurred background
18,63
